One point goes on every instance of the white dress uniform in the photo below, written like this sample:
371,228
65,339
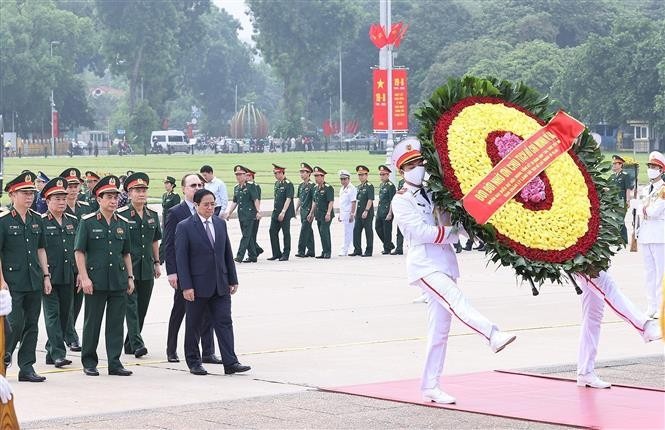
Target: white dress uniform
347,195
651,240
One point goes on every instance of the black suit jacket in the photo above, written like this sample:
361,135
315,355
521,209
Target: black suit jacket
208,270
176,214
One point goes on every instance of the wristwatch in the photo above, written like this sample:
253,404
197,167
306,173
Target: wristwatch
130,277
47,275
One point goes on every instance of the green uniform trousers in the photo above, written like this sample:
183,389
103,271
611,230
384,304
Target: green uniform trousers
358,227
74,311
137,308
275,227
23,319
400,241
56,319
384,229
306,238
95,303
255,231
246,242
324,234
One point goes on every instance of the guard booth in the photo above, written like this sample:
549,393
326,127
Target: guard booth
640,135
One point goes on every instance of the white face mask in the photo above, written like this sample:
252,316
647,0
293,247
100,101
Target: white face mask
653,173
415,176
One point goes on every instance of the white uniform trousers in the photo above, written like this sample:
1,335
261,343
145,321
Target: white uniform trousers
654,270
445,300
595,293
348,233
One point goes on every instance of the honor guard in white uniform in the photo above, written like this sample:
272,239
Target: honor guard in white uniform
595,293
651,233
431,265
347,209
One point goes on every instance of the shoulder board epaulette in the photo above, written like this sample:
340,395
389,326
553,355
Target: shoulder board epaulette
4,213
147,209
71,216
90,215
250,182
44,215
84,203
661,193
287,181
124,208
34,212
328,185
122,217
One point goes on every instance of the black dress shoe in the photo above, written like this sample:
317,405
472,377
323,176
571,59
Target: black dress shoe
284,258
236,368
140,352
120,371
355,254
91,371
385,252
249,260
259,251
273,258
480,247
397,252
31,377
8,359
238,260
60,362
211,359
468,246
366,255
458,249
319,256
310,255
49,360
326,256
75,346
301,255
198,370
172,358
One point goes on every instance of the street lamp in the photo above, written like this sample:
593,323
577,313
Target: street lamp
53,42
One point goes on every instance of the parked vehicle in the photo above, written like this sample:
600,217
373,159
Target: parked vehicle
169,141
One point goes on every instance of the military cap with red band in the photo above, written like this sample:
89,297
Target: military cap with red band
319,171
72,175
278,169
107,184
136,180
304,167
24,181
55,186
362,169
91,176
384,169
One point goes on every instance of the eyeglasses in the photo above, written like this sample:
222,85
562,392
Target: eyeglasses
383,174
199,185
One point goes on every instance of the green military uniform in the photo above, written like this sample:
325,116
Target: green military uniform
365,193
283,191
255,229
323,195
383,225
399,248
81,207
19,243
244,196
59,238
89,196
104,244
169,200
624,182
306,196
143,233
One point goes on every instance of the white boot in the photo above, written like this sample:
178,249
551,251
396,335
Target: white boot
651,332
591,380
436,395
499,340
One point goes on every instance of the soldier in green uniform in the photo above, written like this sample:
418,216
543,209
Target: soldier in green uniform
324,197
104,263
255,229
246,199
304,208
144,235
384,214
364,214
169,199
283,211
77,208
625,184
91,179
399,248
25,271
59,234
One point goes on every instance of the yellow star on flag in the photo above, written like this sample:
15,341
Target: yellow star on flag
379,83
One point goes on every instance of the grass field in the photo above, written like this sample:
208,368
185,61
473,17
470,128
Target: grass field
159,166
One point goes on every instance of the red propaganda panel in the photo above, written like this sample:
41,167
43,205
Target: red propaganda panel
380,100
55,123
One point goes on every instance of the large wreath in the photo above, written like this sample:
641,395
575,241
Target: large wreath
564,220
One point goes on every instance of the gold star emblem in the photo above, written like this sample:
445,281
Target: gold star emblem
58,183
112,181
380,83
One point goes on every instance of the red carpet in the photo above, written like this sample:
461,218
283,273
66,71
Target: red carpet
533,398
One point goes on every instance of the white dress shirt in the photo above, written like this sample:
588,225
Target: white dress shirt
218,188
347,195
209,221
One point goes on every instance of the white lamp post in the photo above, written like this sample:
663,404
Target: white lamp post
53,42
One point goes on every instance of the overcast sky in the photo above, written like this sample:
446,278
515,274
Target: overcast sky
237,8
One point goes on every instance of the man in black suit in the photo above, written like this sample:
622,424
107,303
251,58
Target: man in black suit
207,276
190,183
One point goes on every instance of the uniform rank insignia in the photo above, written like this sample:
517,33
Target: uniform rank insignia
120,230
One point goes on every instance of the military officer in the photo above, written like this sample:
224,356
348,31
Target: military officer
255,230
170,198
59,234
106,276
324,197
246,199
25,271
384,214
304,208
347,209
144,235
399,246
39,204
78,208
283,211
91,179
624,183
651,235
364,214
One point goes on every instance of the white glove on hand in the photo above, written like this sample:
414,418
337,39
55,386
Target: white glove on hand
5,390
5,302
453,236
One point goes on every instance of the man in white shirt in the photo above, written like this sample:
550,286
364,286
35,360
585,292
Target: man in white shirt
218,188
431,265
347,209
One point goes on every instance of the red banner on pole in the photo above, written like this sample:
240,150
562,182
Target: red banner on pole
524,163
380,100
55,124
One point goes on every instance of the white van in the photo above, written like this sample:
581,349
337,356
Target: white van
169,141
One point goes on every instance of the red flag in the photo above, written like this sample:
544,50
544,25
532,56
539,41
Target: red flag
378,35
398,38
55,124
327,128
395,30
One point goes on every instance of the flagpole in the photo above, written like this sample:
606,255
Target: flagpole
341,103
387,23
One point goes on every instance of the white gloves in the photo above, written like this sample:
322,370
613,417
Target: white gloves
5,302
5,390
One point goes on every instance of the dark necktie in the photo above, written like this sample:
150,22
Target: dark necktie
424,194
209,233
650,188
